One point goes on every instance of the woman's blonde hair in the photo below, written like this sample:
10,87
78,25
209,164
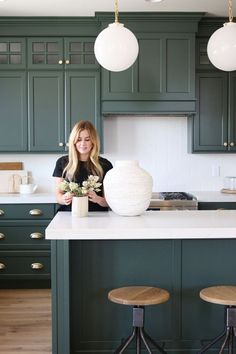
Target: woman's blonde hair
93,164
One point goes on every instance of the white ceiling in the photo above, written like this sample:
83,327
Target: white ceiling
89,7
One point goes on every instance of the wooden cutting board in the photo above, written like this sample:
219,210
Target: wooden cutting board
10,180
11,166
229,191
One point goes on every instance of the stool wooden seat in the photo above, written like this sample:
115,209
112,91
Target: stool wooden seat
222,295
139,297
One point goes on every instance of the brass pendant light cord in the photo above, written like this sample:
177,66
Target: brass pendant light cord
230,11
116,12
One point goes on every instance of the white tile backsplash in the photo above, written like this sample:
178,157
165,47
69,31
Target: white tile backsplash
160,146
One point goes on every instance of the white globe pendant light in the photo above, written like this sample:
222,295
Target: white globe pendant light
221,47
116,47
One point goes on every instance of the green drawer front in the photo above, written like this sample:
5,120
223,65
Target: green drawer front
26,211
30,265
23,236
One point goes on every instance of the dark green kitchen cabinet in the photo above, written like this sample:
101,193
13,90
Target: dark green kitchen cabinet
202,60
57,101
24,252
12,53
213,128
163,75
13,111
56,53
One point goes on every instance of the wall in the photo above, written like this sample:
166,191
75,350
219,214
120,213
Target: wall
160,146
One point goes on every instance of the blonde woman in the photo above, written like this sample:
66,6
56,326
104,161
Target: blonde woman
83,160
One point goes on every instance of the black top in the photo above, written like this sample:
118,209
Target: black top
80,177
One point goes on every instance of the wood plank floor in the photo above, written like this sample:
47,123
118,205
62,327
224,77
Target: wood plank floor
25,321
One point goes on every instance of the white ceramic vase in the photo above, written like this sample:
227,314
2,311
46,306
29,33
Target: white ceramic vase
79,206
128,188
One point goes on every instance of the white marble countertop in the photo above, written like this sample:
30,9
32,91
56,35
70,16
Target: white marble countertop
214,196
181,224
16,198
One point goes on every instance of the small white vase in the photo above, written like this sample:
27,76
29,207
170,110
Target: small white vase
79,206
128,188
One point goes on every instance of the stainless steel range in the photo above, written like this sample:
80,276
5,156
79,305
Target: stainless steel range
173,201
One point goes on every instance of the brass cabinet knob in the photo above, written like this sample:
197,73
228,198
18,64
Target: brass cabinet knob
2,266
35,212
36,235
37,265
232,143
1,212
225,144
60,144
60,62
67,61
2,236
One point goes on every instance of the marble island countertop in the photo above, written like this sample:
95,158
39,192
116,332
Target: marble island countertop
181,224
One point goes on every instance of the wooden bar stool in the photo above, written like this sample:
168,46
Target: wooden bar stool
222,295
138,297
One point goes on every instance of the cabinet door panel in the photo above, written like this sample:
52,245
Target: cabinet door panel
46,111
12,53
82,98
210,122
232,112
179,66
45,53
150,66
13,111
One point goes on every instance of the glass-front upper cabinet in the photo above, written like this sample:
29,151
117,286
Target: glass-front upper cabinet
51,53
12,53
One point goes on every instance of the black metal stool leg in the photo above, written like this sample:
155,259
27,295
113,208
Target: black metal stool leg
209,345
144,341
154,343
126,343
225,340
138,342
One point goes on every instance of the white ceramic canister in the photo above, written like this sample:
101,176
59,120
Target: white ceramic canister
128,188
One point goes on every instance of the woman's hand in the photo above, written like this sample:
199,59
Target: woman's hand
67,198
94,198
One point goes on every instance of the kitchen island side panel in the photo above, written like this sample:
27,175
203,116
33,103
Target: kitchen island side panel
183,267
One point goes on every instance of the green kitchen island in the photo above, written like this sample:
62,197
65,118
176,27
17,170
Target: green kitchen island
180,251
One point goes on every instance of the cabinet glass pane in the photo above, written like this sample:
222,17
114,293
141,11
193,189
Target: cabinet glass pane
75,59
3,47
89,59
15,59
52,47
38,59
38,47
3,59
52,59
88,46
76,47
15,47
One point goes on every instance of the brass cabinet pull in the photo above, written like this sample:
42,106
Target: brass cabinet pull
60,144
67,61
1,212
35,212
37,266
2,266
232,143
2,236
36,235
225,144
60,62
